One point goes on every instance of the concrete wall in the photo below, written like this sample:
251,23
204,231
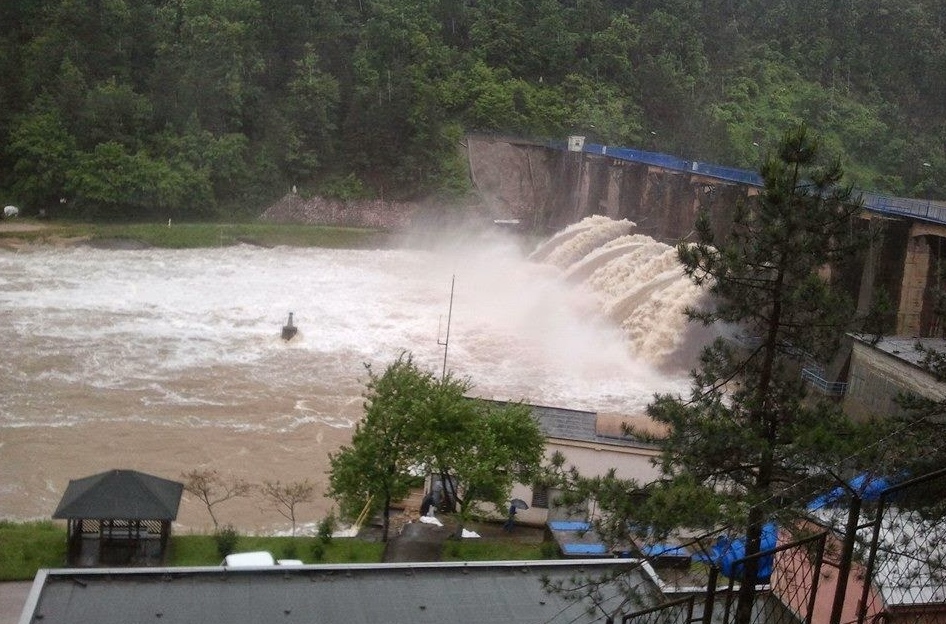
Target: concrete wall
548,189
876,379
591,460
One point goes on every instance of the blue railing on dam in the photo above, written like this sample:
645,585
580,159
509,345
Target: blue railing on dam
665,161
924,210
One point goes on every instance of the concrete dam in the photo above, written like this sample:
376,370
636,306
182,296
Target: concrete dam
544,188
548,188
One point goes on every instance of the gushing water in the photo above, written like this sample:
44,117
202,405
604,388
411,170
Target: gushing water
190,340
200,329
638,284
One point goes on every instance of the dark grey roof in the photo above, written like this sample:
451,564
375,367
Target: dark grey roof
566,424
571,424
905,347
120,495
433,593
576,425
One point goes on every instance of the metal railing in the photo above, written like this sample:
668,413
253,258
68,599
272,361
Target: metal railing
925,210
815,377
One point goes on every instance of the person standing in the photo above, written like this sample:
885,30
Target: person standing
511,520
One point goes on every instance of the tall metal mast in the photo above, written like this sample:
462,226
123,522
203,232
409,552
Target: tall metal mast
446,341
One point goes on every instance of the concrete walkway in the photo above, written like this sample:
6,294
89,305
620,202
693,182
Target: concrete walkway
12,598
416,542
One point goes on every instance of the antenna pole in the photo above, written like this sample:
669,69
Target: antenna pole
446,342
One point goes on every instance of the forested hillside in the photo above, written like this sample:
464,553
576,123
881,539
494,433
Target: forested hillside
208,108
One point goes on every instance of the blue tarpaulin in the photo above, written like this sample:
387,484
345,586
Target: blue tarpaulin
584,549
865,485
569,525
727,551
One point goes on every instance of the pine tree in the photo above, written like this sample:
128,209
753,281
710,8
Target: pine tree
748,430
749,433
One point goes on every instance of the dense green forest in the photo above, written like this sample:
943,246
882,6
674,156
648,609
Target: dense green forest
211,108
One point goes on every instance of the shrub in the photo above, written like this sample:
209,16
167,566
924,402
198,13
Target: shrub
324,537
226,540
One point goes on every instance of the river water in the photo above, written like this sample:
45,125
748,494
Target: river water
165,360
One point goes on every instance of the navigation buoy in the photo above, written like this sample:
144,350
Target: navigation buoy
289,330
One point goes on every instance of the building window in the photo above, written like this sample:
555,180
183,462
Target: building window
540,496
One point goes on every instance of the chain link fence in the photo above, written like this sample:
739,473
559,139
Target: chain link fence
867,559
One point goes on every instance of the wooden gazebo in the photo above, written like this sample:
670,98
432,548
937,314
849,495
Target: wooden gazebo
119,517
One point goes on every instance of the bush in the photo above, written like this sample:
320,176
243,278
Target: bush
226,540
324,537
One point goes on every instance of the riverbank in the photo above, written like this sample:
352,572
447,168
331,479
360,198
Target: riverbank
24,234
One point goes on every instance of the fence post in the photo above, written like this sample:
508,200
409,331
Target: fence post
847,554
710,594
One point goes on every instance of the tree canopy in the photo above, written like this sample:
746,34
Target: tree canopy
417,424
142,108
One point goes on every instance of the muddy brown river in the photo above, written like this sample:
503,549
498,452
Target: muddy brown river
165,361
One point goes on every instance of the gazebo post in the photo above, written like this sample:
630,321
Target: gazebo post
165,538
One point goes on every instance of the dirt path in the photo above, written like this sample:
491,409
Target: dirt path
421,541
9,225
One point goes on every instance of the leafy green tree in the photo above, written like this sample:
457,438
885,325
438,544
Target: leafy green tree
746,429
376,468
112,111
112,181
312,115
480,449
496,33
395,126
205,63
42,149
415,421
304,91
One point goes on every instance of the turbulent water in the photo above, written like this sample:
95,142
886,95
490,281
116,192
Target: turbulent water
164,360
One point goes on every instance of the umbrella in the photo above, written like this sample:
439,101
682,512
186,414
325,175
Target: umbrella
518,503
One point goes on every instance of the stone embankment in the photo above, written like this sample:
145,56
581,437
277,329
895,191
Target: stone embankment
509,182
375,213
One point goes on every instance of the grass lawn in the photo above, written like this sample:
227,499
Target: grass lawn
25,547
201,550
489,550
198,235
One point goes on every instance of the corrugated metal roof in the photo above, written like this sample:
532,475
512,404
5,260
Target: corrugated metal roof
581,426
435,593
120,495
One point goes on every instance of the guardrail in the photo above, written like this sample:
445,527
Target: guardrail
925,210
815,377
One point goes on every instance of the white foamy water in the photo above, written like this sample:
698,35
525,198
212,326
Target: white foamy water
194,335
637,283
163,360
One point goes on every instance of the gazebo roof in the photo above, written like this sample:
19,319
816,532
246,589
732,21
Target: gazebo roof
120,495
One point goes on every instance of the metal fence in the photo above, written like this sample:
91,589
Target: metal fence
877,558
906,554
